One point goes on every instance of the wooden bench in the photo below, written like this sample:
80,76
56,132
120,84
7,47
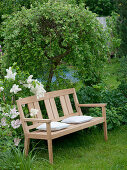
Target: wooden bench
52,112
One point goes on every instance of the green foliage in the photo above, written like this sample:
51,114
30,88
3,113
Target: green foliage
110,73
101,7
123,112
16,160
122,74
121,8
15,85
113,118
114,38
123,88
8,7
116,100
39,39
88,94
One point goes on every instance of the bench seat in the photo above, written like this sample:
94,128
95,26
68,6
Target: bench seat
72,128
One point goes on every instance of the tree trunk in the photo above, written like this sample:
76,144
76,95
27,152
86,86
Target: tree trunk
48,84
54,63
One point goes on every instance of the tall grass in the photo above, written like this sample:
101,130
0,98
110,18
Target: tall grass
15,159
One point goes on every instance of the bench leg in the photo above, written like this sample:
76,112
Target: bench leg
105,130
50,151
26,145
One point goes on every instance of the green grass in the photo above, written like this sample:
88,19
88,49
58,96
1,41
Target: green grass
14,159
110,75
110,72
86,150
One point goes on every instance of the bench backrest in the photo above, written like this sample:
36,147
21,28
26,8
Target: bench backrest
50,105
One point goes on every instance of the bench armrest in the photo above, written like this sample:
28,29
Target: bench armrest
47,121
37,120
92,105
102,105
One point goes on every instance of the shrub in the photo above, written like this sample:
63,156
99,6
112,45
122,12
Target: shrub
123,112
116,100
112,116
121,8
44,37
114,40
15,85
101,7
122,72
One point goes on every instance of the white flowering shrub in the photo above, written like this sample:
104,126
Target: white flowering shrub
15,85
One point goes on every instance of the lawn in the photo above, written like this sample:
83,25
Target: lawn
110,73
86,150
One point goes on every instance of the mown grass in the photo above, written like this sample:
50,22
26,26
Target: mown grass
86,150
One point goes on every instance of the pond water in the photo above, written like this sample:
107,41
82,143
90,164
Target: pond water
68,75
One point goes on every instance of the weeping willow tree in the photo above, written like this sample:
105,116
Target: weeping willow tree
44,38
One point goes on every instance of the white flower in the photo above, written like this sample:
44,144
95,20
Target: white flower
15,88
33,112
29,80
38,90
10,75
13,113
3,121
16,123
21,82
6,114
16,141
1,89
27,85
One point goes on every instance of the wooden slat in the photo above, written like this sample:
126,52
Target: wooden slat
27,100
36,105
64,106
77,127
72,128
31,106
64,117
24,124
54,108
76,103
34,126
47,95
68,103
37,135
37,120
57,94
49,109
105,123
92,105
